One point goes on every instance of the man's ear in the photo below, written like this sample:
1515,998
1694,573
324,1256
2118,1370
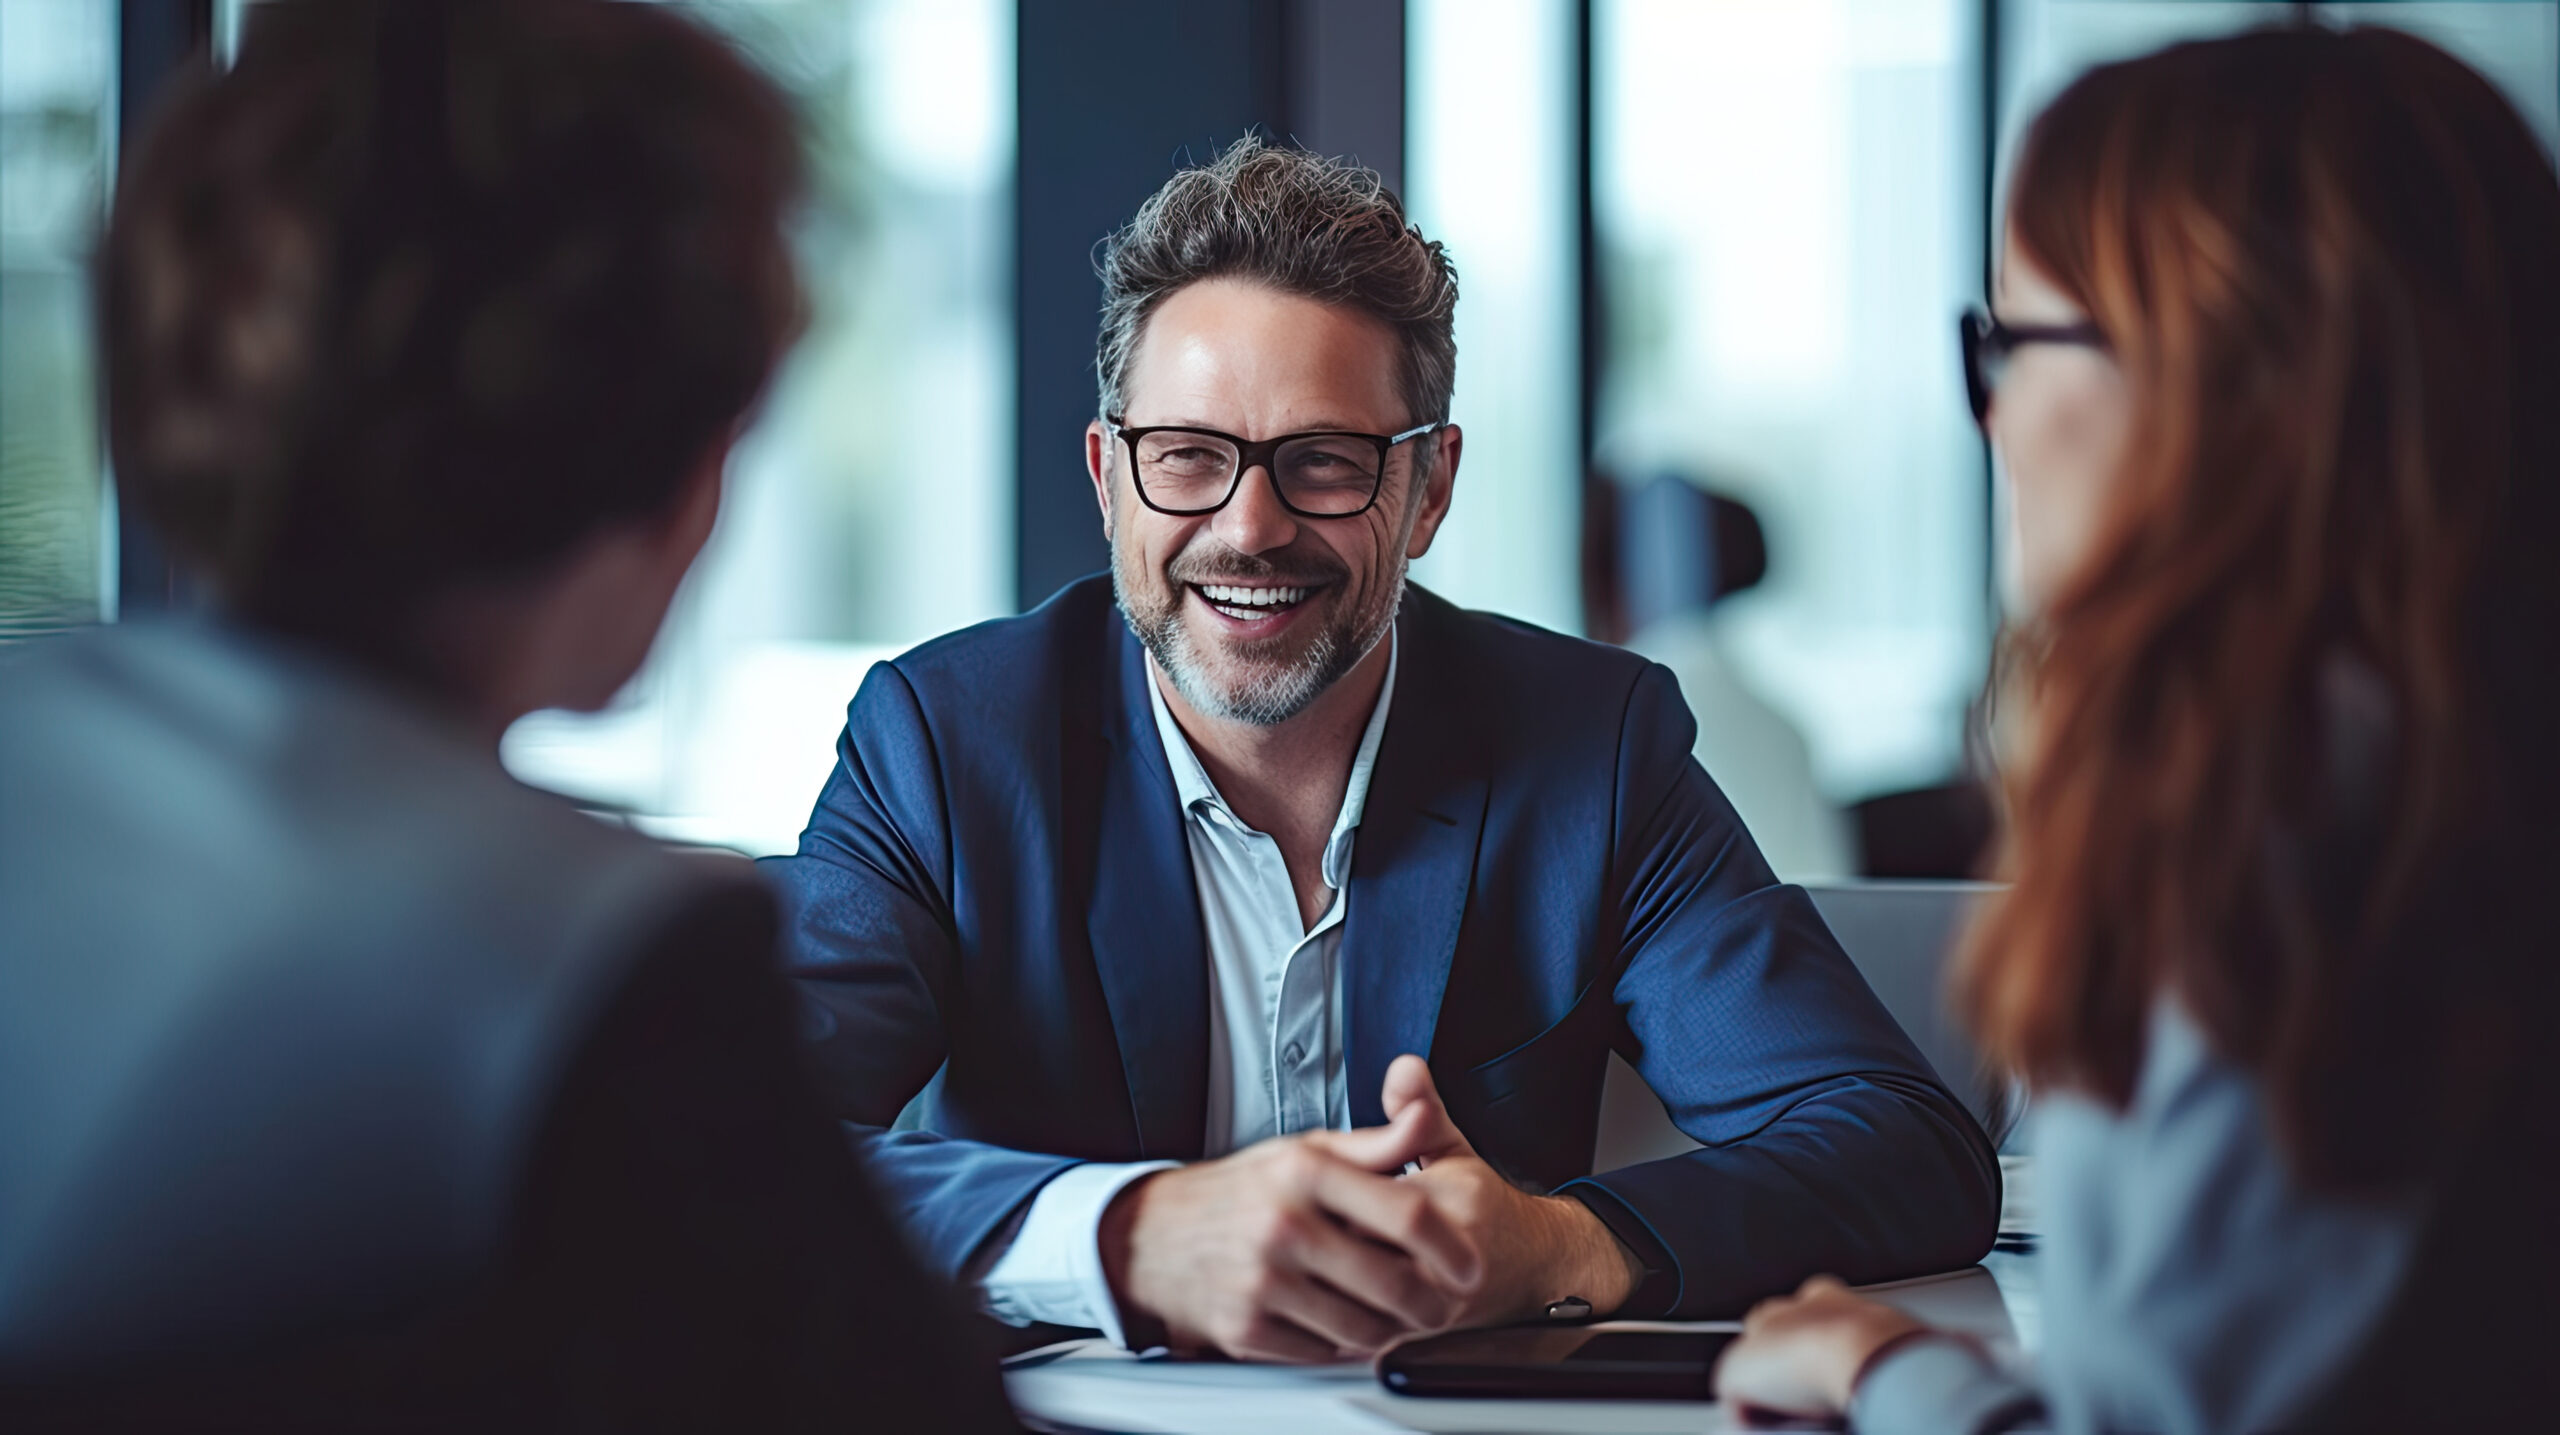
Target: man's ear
1432,504
1096,455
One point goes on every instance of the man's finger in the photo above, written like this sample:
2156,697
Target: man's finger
1382,1149
1276,1339
1332,1318
1383,1278
1402,1215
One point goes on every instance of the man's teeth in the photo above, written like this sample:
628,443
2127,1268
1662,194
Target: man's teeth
1251,597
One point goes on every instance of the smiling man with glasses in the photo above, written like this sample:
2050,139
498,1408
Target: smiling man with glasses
1294,542
1254,927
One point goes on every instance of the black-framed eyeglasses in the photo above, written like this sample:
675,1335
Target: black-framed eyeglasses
1185,472
1988,343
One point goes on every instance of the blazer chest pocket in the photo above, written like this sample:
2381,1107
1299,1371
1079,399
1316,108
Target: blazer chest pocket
1534,1111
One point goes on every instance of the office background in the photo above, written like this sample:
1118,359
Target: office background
1717,241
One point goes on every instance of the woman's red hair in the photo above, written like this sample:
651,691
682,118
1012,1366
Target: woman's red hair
2291,730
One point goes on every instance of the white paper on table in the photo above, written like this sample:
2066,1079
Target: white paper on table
1096,1385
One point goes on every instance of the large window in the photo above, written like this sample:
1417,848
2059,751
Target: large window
1788,213
57,133
1791,199
1778,205
1491,173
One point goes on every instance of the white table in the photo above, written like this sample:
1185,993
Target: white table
1088,1385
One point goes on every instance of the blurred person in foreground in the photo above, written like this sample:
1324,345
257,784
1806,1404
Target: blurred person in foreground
1161,894
2277,354
345,1083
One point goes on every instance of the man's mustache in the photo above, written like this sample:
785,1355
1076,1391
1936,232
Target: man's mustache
1232,566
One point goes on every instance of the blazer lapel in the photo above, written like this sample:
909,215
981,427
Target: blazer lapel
1144,920
1411,867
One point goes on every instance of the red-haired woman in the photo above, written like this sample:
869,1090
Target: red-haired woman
2277,369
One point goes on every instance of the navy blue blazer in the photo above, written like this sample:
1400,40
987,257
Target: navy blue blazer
993,905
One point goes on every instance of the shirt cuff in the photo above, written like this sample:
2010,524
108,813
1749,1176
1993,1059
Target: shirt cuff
1941,1386
1658,1291
1053,1269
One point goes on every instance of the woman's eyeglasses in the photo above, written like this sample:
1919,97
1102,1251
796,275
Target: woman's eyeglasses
1988,343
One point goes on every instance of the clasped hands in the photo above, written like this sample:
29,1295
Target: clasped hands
1314,1247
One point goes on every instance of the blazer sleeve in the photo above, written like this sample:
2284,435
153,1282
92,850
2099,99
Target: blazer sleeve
1828,1144
870,933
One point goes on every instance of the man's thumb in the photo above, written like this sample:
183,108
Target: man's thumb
1383,1149
1409,1093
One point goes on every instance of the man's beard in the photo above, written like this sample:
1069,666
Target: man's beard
1273,689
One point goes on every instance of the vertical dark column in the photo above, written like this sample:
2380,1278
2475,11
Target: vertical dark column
154,38
1112,95
1345,81
1593,293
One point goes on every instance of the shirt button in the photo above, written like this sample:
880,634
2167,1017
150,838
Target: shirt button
1294,1054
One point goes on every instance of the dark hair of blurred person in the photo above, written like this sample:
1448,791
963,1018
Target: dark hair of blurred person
379,334
348,1083
2280,317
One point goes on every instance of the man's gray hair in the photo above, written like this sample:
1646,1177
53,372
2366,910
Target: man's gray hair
1298,223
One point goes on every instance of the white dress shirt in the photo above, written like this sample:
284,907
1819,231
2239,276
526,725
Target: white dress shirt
1276,1058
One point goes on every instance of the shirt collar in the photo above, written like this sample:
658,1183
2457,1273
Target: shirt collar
1192,785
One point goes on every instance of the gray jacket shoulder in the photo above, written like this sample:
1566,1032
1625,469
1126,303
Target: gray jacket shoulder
268,931
2188,1283
2191,1281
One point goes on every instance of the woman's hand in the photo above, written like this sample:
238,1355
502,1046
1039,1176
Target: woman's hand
1800,1355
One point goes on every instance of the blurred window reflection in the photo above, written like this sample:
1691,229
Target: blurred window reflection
1787,198
57,133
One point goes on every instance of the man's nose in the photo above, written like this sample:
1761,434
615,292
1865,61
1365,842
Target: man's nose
1255,521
